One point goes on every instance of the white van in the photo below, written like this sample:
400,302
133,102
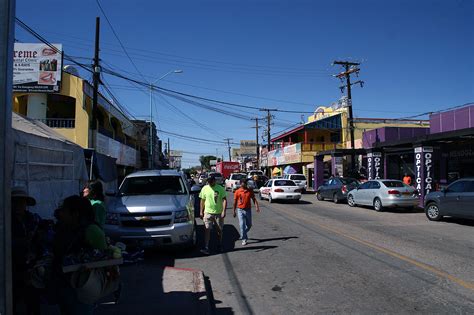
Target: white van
299,179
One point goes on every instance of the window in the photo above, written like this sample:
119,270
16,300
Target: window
393,184
457,187
348,181
469,187
153,185
298,177
365,185
284,183
374,185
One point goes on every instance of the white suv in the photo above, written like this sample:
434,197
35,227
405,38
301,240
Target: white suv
233,183
299,179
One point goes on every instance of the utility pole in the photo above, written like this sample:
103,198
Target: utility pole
256,137
7,35
96,82
228,147
269,123
169,154
350,68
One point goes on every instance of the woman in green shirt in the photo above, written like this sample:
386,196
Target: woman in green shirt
95,193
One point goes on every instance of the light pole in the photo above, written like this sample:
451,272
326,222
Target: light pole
150,153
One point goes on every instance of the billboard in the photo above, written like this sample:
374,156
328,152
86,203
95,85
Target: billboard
248,147
37,68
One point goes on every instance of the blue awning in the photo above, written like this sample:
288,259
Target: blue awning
332,122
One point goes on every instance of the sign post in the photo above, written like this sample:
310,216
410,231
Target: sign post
7,27
424,171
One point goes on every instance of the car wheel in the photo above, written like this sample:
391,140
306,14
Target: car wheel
270,199
319,197
335,198
432,212
378,205
351,201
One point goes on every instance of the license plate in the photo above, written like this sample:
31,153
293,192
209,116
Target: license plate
147,243
289,197
406,193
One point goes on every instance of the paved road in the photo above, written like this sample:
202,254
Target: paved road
319,257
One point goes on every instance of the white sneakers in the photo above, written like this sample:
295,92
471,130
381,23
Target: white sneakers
244,242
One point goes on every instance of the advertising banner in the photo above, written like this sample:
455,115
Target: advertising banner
37,68
374,165
424,170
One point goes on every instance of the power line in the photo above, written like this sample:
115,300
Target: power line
118,39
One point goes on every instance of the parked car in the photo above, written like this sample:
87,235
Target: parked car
218,176
233,182
456,200
202,179
252,173
282,189
152,208
299,179
383,193
336,188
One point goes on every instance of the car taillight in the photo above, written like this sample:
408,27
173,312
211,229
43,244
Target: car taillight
279,190
393,192
344,189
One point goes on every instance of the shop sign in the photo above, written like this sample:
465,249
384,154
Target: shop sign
37,68
424,170
374,165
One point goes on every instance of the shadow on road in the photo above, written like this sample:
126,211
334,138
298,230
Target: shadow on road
459,221
261,240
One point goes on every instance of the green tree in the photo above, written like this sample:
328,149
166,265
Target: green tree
205,161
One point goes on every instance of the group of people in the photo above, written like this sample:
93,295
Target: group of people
214,209
39,248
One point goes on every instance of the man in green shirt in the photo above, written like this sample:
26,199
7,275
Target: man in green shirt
213,208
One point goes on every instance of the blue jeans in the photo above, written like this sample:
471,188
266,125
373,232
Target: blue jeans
245,222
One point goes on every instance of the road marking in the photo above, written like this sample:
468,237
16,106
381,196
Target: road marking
465,284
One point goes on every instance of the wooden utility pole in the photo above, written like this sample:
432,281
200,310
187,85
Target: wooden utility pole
256,137
350,68
228,147
269,123
96,82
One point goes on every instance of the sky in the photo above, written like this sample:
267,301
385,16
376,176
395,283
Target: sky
416,57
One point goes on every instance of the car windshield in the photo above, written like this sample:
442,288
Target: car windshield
393,184
238,176
298,177
284,183
153,185
348,181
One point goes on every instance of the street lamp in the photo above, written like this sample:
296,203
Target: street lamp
150,154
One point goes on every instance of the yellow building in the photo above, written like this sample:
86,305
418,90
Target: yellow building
69,113
327,129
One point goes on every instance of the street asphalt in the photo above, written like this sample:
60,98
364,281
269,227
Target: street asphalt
317,257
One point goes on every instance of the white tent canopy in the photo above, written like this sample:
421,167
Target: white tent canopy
48,165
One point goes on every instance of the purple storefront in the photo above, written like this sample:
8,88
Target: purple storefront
433,157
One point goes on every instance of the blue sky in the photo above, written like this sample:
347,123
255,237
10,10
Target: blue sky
416,56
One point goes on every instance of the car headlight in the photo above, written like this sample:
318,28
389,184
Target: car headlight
181,216
112,218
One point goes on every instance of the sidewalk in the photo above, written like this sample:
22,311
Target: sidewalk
168,290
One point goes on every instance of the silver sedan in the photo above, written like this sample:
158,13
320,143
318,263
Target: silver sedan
383,193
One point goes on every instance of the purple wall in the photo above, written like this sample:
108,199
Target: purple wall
452,120
369,138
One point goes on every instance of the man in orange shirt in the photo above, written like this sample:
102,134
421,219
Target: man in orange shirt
242,198
407,179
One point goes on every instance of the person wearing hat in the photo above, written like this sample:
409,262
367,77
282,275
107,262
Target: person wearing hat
25,250
213,210
242,201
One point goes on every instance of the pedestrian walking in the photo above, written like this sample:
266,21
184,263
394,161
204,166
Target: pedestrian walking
242,198
95,193
213,211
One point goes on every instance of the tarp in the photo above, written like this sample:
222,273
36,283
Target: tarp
289,170
103,167
48,165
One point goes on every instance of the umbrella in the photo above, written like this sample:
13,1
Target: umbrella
276,170
289,170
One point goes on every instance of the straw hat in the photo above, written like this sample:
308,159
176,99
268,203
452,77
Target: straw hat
20,192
